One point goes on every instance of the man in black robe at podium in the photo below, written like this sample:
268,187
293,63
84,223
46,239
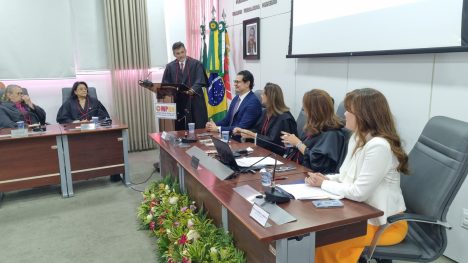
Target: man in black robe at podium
188,71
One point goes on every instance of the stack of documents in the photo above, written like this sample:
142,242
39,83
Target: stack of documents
305,192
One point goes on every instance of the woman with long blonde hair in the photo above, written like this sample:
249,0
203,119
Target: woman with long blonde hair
275,119
370,173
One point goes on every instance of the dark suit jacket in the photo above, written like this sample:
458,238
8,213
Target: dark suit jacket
246,116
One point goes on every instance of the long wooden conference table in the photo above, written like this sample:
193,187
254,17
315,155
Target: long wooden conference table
291,242
61,155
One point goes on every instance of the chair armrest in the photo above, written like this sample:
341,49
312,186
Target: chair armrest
416,218
398,217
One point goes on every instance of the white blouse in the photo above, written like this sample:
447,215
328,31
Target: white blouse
370,175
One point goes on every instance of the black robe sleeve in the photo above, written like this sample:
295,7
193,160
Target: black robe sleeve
272,139
65,114
198,106
37,114
326,153
69,111
6,120
97,109
167,76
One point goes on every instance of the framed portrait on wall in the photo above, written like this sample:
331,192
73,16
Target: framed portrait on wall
251,36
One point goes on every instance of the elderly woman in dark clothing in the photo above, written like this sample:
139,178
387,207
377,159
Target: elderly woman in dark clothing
80,106
323,147
274,119
19,107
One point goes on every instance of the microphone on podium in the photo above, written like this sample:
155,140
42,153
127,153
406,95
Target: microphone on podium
146,83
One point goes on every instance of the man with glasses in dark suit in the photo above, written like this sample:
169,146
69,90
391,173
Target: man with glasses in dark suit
245,108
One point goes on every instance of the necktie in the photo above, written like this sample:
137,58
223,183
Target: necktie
236,107
181,66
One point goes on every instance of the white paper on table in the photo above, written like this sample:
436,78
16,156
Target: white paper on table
305,191
249,161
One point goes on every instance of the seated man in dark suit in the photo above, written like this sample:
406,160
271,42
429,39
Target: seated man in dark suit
19,107
245,108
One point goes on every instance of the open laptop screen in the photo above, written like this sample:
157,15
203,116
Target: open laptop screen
225,153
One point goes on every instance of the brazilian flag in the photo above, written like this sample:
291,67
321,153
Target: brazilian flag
215,97
215,93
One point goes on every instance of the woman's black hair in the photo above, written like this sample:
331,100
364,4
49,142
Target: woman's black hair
75,86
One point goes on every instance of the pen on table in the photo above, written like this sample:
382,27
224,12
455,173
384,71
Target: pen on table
281,178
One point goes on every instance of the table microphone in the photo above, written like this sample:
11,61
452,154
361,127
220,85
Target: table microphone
274,195
186,139
104,122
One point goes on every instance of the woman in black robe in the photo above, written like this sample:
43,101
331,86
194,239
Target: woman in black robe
275,119
80,106
323,147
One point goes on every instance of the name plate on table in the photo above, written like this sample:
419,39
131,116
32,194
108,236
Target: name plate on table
87,126
195,162
16,133
259,215
166,111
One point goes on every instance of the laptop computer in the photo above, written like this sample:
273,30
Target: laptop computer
227,156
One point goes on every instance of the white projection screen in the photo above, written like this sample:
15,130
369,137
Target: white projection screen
367,27
36,39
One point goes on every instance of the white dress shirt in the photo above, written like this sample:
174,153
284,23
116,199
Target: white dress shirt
370,175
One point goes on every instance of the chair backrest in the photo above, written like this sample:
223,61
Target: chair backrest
66,92
258,93
340,112
438,166
300,121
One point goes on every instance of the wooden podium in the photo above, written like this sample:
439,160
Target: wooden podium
165,93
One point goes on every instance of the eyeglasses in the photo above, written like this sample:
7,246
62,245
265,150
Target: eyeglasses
238,81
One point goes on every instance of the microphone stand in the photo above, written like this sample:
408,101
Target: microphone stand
269,142
186,139
246,169
274,195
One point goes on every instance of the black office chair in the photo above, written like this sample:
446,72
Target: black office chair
438,166
258,93
300,121
66,92
340,112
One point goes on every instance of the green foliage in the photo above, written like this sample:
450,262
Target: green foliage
184,232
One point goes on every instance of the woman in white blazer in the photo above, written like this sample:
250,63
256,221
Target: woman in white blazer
370,173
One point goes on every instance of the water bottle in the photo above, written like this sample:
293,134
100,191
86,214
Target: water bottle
266,177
